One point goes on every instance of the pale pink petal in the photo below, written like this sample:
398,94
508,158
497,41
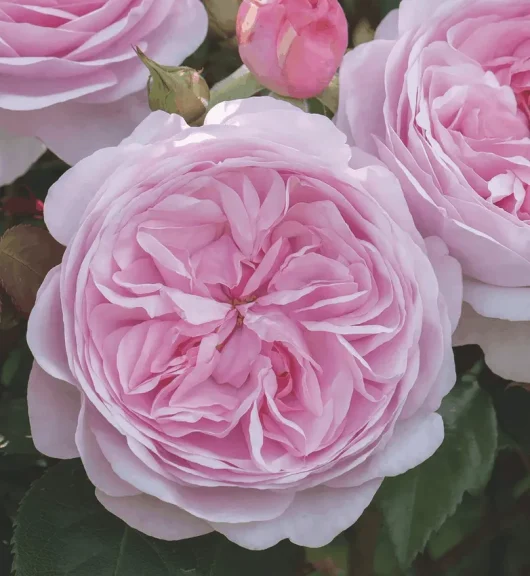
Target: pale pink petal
156,127
413,13
154,517
54,408
69,197
360,113
498,301
97,467
449,274
313,520
284,124
101,125
412,442
45,334
388,28
504,343
17,154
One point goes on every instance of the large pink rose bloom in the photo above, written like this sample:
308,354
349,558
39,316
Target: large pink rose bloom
245,335
443,97
68,72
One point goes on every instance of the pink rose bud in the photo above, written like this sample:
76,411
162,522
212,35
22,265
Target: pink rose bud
293,47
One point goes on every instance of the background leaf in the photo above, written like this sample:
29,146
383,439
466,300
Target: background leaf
417,503
27,253
387,5
15,433
63,530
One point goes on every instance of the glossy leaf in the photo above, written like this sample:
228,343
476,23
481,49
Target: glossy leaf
62,529
417,503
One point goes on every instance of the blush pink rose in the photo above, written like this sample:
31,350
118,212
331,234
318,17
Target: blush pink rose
68,71
245,335
444,102
293,47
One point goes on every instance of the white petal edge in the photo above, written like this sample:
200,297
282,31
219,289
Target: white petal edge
314,519
45,334
154,517
505,343
53,407
17,154
504,303
413,441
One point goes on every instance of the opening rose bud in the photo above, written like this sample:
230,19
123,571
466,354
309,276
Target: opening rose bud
293,47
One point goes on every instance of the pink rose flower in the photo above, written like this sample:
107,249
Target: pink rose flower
444,102
245,335
293,47
68,71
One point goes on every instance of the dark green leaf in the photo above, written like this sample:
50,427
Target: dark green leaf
417,503
9,317
15,371
10,367
464,521
517,549
15,433
6,531
387,5
512,405
63,530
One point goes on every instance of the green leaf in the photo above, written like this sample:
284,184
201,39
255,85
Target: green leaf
6,530
512,405
462,523
517,554
15,432
9,317
10,367
418,502
27,253
466,521
387,5
62,530
15,372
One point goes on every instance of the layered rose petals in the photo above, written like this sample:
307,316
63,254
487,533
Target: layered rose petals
68,71
249,334
446,107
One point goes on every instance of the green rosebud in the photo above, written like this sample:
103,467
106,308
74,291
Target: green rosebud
222,15
176,89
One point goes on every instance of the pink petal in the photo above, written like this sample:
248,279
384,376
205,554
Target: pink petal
45,333
413,441
54,407
505,343
361,103
69,197
154,517
17,154
314,519
96,465
414,13
498,301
